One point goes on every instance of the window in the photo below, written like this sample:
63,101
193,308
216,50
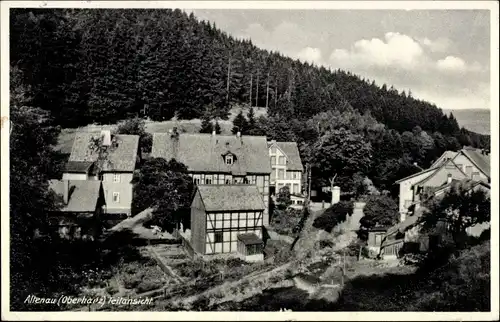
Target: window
468,170
299,202
281,160
273,160
197,181
208,181
116,177
281,174
273,173
228,181
218,237
295,188
116,197
229,159
245,181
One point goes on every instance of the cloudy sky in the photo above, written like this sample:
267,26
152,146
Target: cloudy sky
442,56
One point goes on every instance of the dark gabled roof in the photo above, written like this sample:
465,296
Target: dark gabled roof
123,157
467,183
291,150
78,166
249,239
480,160
231,197
83,194
204,152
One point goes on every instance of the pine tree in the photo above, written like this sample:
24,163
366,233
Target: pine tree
217,127
251,119
206,125
240,124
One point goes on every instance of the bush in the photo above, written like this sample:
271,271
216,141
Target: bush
131,281
146,286
112,290
334,215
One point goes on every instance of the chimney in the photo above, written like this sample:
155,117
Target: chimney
238,134
273,141
65,191
448,180
106,137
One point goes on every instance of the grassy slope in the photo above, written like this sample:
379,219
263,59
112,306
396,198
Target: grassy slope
66,137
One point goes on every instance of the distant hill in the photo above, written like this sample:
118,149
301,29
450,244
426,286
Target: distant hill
475,120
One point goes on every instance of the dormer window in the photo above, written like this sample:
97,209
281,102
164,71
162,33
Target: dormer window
229,159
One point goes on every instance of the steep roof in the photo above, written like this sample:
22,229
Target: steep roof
204,152
123,157
78,166
83,194
443,165
231,197
482,161
446,155
291,150
417,174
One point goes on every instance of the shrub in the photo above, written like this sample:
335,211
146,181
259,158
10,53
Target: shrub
131,281
112,289
334,215
146,286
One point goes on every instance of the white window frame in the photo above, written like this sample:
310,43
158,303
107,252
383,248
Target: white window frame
229,159
116,197
116,177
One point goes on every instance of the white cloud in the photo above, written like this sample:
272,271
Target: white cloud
395,50
451,63
310,55
439,45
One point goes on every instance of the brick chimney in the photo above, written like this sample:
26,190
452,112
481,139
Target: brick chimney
66,191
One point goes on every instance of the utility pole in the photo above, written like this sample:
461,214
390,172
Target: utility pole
267,91
228,80
257,91
251,79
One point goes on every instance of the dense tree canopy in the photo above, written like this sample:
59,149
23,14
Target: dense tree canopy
165,186
99,65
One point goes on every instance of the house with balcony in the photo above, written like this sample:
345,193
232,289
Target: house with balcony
412,188
286,169
214,159
113,163
408,232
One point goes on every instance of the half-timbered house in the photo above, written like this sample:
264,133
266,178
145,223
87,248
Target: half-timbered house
214,159
227,219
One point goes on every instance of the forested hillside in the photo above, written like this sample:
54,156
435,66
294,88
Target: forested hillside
101,66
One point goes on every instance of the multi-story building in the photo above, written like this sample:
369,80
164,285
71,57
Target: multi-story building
227,219
115,167
286,167
219,159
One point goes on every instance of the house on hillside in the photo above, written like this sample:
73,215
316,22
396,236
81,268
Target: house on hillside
214,159
408,232
412,188
228,219
474,162
286,166
115,167
80,215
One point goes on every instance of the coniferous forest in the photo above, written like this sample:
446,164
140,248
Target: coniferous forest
101,66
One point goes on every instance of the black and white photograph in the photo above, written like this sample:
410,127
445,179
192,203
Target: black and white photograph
246,160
